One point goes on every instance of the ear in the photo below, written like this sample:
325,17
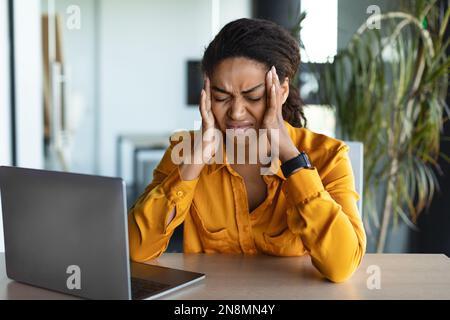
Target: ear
285,89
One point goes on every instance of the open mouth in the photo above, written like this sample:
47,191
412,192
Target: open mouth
239,128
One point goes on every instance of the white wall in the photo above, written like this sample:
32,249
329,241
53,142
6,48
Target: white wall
28,67
234,9
143,48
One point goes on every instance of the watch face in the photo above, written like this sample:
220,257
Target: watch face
305,157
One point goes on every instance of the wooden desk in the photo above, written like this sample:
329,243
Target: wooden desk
403,276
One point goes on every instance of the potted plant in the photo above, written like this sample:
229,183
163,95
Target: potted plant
388,87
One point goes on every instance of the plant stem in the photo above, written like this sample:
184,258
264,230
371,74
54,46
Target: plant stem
387,210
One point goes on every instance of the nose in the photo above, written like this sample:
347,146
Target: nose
237,109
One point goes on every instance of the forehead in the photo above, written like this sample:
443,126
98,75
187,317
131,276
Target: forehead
238,73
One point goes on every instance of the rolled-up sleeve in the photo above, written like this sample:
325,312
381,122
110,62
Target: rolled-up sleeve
324,213
148,231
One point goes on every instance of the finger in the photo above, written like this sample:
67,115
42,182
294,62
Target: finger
207,116
277,89
208,95
275,76
270,78
276,83
202,104
269,82
272,109
276,80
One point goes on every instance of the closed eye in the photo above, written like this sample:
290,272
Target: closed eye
220,99
254,99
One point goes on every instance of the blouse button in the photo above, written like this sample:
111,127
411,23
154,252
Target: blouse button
179,193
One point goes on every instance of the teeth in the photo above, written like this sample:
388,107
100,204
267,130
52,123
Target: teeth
240,130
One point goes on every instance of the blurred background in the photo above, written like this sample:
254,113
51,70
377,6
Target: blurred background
97,87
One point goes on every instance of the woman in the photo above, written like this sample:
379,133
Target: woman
229,206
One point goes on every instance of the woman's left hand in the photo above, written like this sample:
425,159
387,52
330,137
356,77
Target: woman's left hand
273,118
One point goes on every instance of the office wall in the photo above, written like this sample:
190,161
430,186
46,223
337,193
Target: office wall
28,83
353,13
142,53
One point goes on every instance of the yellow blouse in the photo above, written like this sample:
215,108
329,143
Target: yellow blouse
312,212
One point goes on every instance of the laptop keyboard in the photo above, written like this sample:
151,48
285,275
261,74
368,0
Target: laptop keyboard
143,288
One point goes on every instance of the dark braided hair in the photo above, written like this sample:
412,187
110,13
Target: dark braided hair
266,42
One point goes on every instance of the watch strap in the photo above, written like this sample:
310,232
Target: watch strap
300,161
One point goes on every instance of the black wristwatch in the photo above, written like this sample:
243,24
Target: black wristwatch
300,161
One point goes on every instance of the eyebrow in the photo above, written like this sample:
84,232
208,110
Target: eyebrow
244,91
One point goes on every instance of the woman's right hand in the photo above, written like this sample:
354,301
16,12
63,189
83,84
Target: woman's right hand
208,123
204,148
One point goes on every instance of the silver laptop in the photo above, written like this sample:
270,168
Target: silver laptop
68,232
